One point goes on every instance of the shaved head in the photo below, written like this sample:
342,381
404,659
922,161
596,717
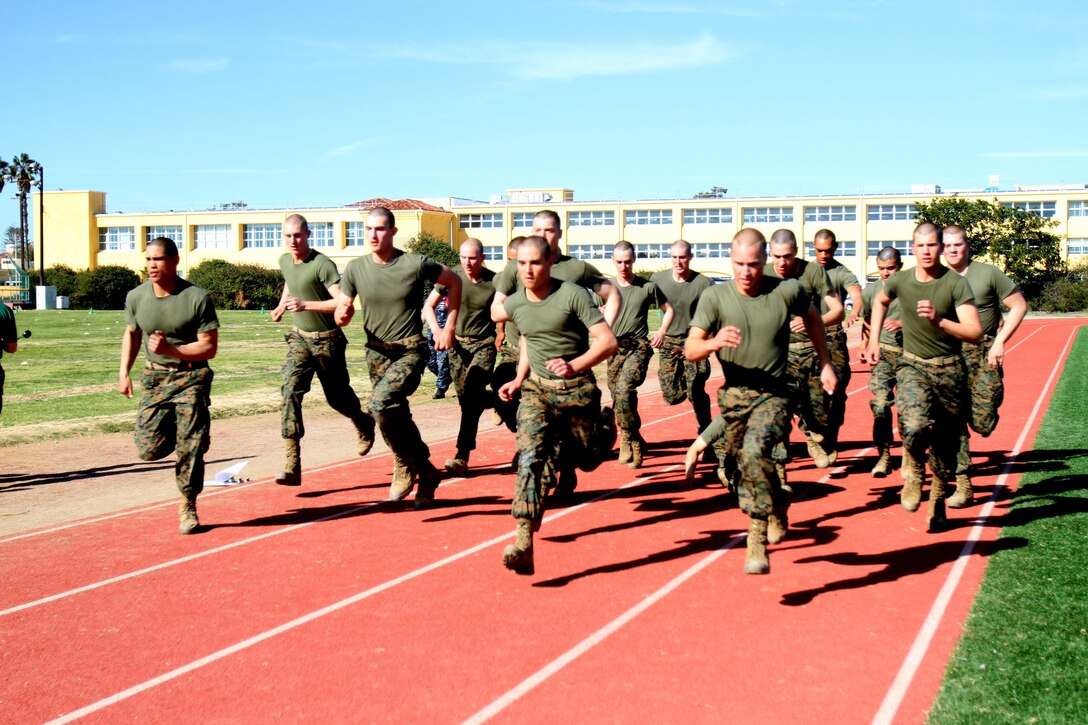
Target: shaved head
781,236
749,238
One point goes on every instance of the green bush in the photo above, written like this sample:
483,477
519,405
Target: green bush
64,278
1068,293
238,286
103,287
437,249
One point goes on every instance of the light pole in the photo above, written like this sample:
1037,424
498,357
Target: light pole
41,222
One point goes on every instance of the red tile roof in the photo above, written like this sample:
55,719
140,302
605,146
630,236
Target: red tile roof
397,205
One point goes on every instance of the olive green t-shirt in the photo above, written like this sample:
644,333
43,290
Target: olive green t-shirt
892,313
474,317
391,295
309,280
946,292
637,298
683,296
7,327
555,327
763,320
989,285
180,316
814,280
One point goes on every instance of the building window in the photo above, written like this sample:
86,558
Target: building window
892,212
1044,209
768,214
648,216
590,251
117,239
481,221
523,219
321,234
872,248
1078,208
591,219
353,234
1078,247
653,251
846,249
831,213
708,216
211,236
262,236
711,250
170,232
494,254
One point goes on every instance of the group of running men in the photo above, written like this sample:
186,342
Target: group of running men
524,341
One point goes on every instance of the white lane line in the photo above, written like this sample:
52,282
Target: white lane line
235,544
898,690
306,618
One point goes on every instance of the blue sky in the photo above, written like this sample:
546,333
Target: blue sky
187,105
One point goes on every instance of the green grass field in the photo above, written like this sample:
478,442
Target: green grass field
1023,657
65,375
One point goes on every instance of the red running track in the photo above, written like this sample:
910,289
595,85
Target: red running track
328,603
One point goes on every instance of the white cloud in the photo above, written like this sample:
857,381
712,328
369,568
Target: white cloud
199,65
351,148
1058,154
564,61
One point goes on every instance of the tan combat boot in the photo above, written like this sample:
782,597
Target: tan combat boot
637,449
884,463
518,557
625,448
778,523
429,478
364,432
755,561
458,465
935,518
188,523
819,456
913,472
402,480
964,495
291,475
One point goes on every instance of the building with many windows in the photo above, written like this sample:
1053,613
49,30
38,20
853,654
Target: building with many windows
82,233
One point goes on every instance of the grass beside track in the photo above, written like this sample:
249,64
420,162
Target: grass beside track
1023,657
65,376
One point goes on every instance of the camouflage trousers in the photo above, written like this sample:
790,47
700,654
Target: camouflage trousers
882,386
395,372
986,390
932,404
173,416
506,369
626,371
324,356
840,363
807,398
684,380
554,415
473,363
756,422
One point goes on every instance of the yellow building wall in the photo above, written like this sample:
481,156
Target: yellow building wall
71,234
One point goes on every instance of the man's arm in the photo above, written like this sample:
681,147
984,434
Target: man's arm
507,391
854,291
277,312
968,329
452,282
604,345
498,312
700,344
1018,307
814,326
667,313
880,308
429,314
204,348
328,307
612,301
345,310
130,348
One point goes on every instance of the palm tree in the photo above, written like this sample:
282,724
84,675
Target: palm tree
23,170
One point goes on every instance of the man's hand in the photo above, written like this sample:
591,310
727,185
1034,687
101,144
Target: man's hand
158,344
124,385
294,304
277,313
728,336
828,379
508,390
444,339
892,325
797,324
560,367
927,310
996,358
657,339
